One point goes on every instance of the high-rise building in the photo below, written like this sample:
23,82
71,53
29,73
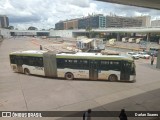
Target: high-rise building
114,21
93,21
100,21
68,24
146,20
59,25
131,22
4,21
118,21
155,23
71,24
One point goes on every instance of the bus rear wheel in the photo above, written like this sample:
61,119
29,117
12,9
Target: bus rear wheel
69,76
26,71
113,78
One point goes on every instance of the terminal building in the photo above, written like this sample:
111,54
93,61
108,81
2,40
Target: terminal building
101,21
94,21
117,22
71,24
4,21
59,25
155,23
146,20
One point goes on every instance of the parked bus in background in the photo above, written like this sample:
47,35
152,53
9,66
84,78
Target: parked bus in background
112,41
132,40
125,39
138,40
91,66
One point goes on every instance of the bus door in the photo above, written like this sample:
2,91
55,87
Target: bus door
19,63
93,70
125,70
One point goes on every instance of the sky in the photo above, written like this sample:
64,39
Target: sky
43,14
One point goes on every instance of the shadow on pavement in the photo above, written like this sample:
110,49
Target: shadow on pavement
149,101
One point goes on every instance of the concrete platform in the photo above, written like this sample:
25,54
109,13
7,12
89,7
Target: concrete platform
22,92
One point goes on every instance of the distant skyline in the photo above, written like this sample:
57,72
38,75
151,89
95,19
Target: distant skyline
44,14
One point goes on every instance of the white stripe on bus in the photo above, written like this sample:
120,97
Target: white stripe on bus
76,73
104,75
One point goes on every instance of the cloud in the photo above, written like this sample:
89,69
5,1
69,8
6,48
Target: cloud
44,14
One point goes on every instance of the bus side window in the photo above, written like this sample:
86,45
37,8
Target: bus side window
31,61
104,65
38,62
115,65
19,60
84,64
60,63
25,60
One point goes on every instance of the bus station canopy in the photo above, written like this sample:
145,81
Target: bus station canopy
154,4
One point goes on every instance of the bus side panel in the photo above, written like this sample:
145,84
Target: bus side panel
77,73
104,75
50,64
34,69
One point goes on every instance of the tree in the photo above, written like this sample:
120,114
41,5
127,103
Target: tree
11,27
51,28
32,28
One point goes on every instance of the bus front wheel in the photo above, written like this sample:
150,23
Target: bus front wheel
26,71
113,78
69,76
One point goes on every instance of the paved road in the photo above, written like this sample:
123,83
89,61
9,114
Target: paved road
22,92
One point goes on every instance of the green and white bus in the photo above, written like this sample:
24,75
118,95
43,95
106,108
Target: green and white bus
93,66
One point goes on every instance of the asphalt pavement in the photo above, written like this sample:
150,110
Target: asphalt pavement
27,93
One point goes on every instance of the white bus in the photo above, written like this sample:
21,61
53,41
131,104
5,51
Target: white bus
125,39
131,40
91,66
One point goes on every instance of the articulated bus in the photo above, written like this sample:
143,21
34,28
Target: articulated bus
93,66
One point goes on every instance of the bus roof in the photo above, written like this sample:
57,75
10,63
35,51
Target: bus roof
29,53
79,55
94,56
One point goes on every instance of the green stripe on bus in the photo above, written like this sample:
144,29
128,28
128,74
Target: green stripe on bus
96,58
32,55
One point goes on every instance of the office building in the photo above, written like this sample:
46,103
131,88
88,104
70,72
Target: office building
71,24
100,21
93,21
4,21
146,20
131,22
118,21
114,21
59,25
155,23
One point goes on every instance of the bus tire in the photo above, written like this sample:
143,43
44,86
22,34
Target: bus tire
69,76
113,78
26,71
